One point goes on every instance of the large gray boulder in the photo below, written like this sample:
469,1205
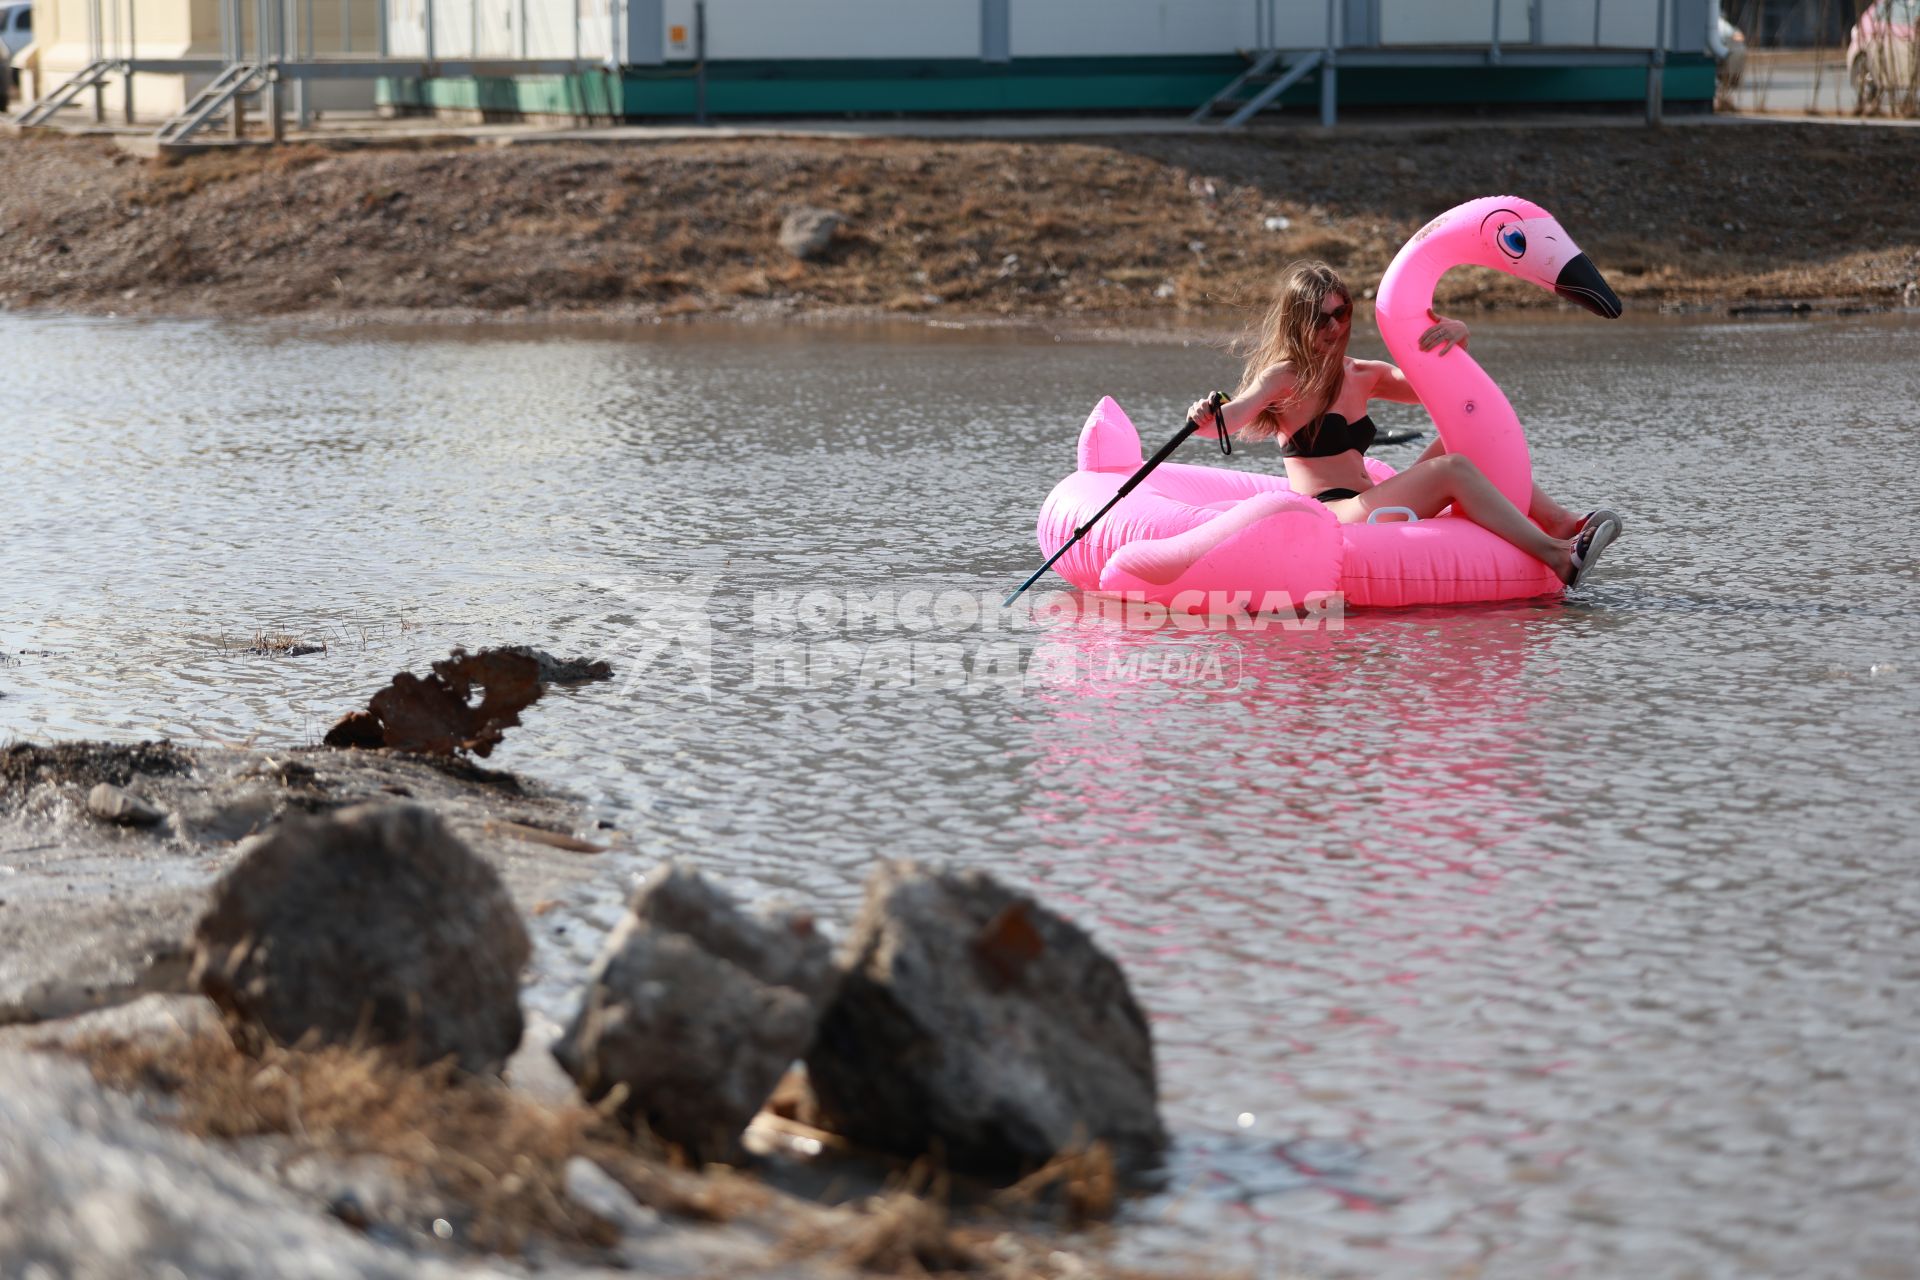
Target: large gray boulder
975,1023
374,925
695,1009
805,233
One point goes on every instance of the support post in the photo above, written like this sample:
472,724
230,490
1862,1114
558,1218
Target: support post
133,52
996,31
273,29
303,34
1493,49
97,43
1657,70
700,61
1330,72
237,52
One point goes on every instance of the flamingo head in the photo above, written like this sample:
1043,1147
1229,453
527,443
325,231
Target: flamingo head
1522,239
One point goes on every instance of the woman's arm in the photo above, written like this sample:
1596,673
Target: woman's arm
1391,384
1443,333
1275,384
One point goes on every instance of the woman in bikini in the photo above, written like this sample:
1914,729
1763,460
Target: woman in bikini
1301,388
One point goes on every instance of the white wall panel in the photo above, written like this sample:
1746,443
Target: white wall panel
493,22
1567,22
491,28
1068,28
406,33
811,29
1467,22
832,28
1630,24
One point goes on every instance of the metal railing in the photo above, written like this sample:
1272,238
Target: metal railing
268,47
1275,67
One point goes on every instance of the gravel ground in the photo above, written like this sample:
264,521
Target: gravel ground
1121,229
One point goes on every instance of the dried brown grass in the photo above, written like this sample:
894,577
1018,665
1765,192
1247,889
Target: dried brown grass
499,1156
168,179
499,1160
908,1230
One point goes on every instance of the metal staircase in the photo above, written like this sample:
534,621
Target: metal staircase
1272,81
238,80
89,76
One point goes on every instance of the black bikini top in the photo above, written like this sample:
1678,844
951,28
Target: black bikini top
1334,435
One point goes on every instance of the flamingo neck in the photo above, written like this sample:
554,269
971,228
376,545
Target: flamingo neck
1470,412
1406,291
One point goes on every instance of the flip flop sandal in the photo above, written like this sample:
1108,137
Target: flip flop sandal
1591,541
1598,514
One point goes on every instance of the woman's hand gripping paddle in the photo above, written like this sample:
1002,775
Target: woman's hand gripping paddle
1166,451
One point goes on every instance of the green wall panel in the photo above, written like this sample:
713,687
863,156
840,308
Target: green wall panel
1040,84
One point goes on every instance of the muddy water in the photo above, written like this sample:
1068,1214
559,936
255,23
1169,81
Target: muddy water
1548,939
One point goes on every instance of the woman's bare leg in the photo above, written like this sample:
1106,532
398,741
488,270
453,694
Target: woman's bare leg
1541,509
1429,487
1550,515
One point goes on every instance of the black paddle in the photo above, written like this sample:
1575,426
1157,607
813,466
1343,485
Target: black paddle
1166,451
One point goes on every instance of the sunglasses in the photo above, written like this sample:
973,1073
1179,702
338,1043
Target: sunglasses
1339,315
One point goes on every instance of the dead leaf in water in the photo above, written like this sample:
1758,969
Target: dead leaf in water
434,716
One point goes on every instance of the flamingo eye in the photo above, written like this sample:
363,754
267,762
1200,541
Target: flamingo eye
1513,240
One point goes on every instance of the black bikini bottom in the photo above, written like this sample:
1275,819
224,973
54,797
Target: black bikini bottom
1334,495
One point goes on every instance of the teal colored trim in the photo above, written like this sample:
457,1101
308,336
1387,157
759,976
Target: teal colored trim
890,87
596,94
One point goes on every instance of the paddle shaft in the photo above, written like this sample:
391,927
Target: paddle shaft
1133,481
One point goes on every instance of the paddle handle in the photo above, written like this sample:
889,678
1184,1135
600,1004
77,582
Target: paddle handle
1217,399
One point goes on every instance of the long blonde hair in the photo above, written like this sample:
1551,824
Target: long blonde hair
1287,334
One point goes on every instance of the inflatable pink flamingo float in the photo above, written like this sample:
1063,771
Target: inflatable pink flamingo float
1206,539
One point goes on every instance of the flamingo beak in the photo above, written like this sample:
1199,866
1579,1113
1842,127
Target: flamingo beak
1580,281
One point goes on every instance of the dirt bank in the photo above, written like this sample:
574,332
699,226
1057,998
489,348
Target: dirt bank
1123,229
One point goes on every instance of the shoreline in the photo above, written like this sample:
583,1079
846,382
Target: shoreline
1214,328
107,1051
1121,232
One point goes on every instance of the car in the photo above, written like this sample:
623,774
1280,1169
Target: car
1880,57
16,26
1729,47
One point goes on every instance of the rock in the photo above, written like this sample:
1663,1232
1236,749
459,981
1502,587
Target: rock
696,1009
156,1018
90,1187
974,1022
110,804
242,812
554,670
806,233
374,924
597,1191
